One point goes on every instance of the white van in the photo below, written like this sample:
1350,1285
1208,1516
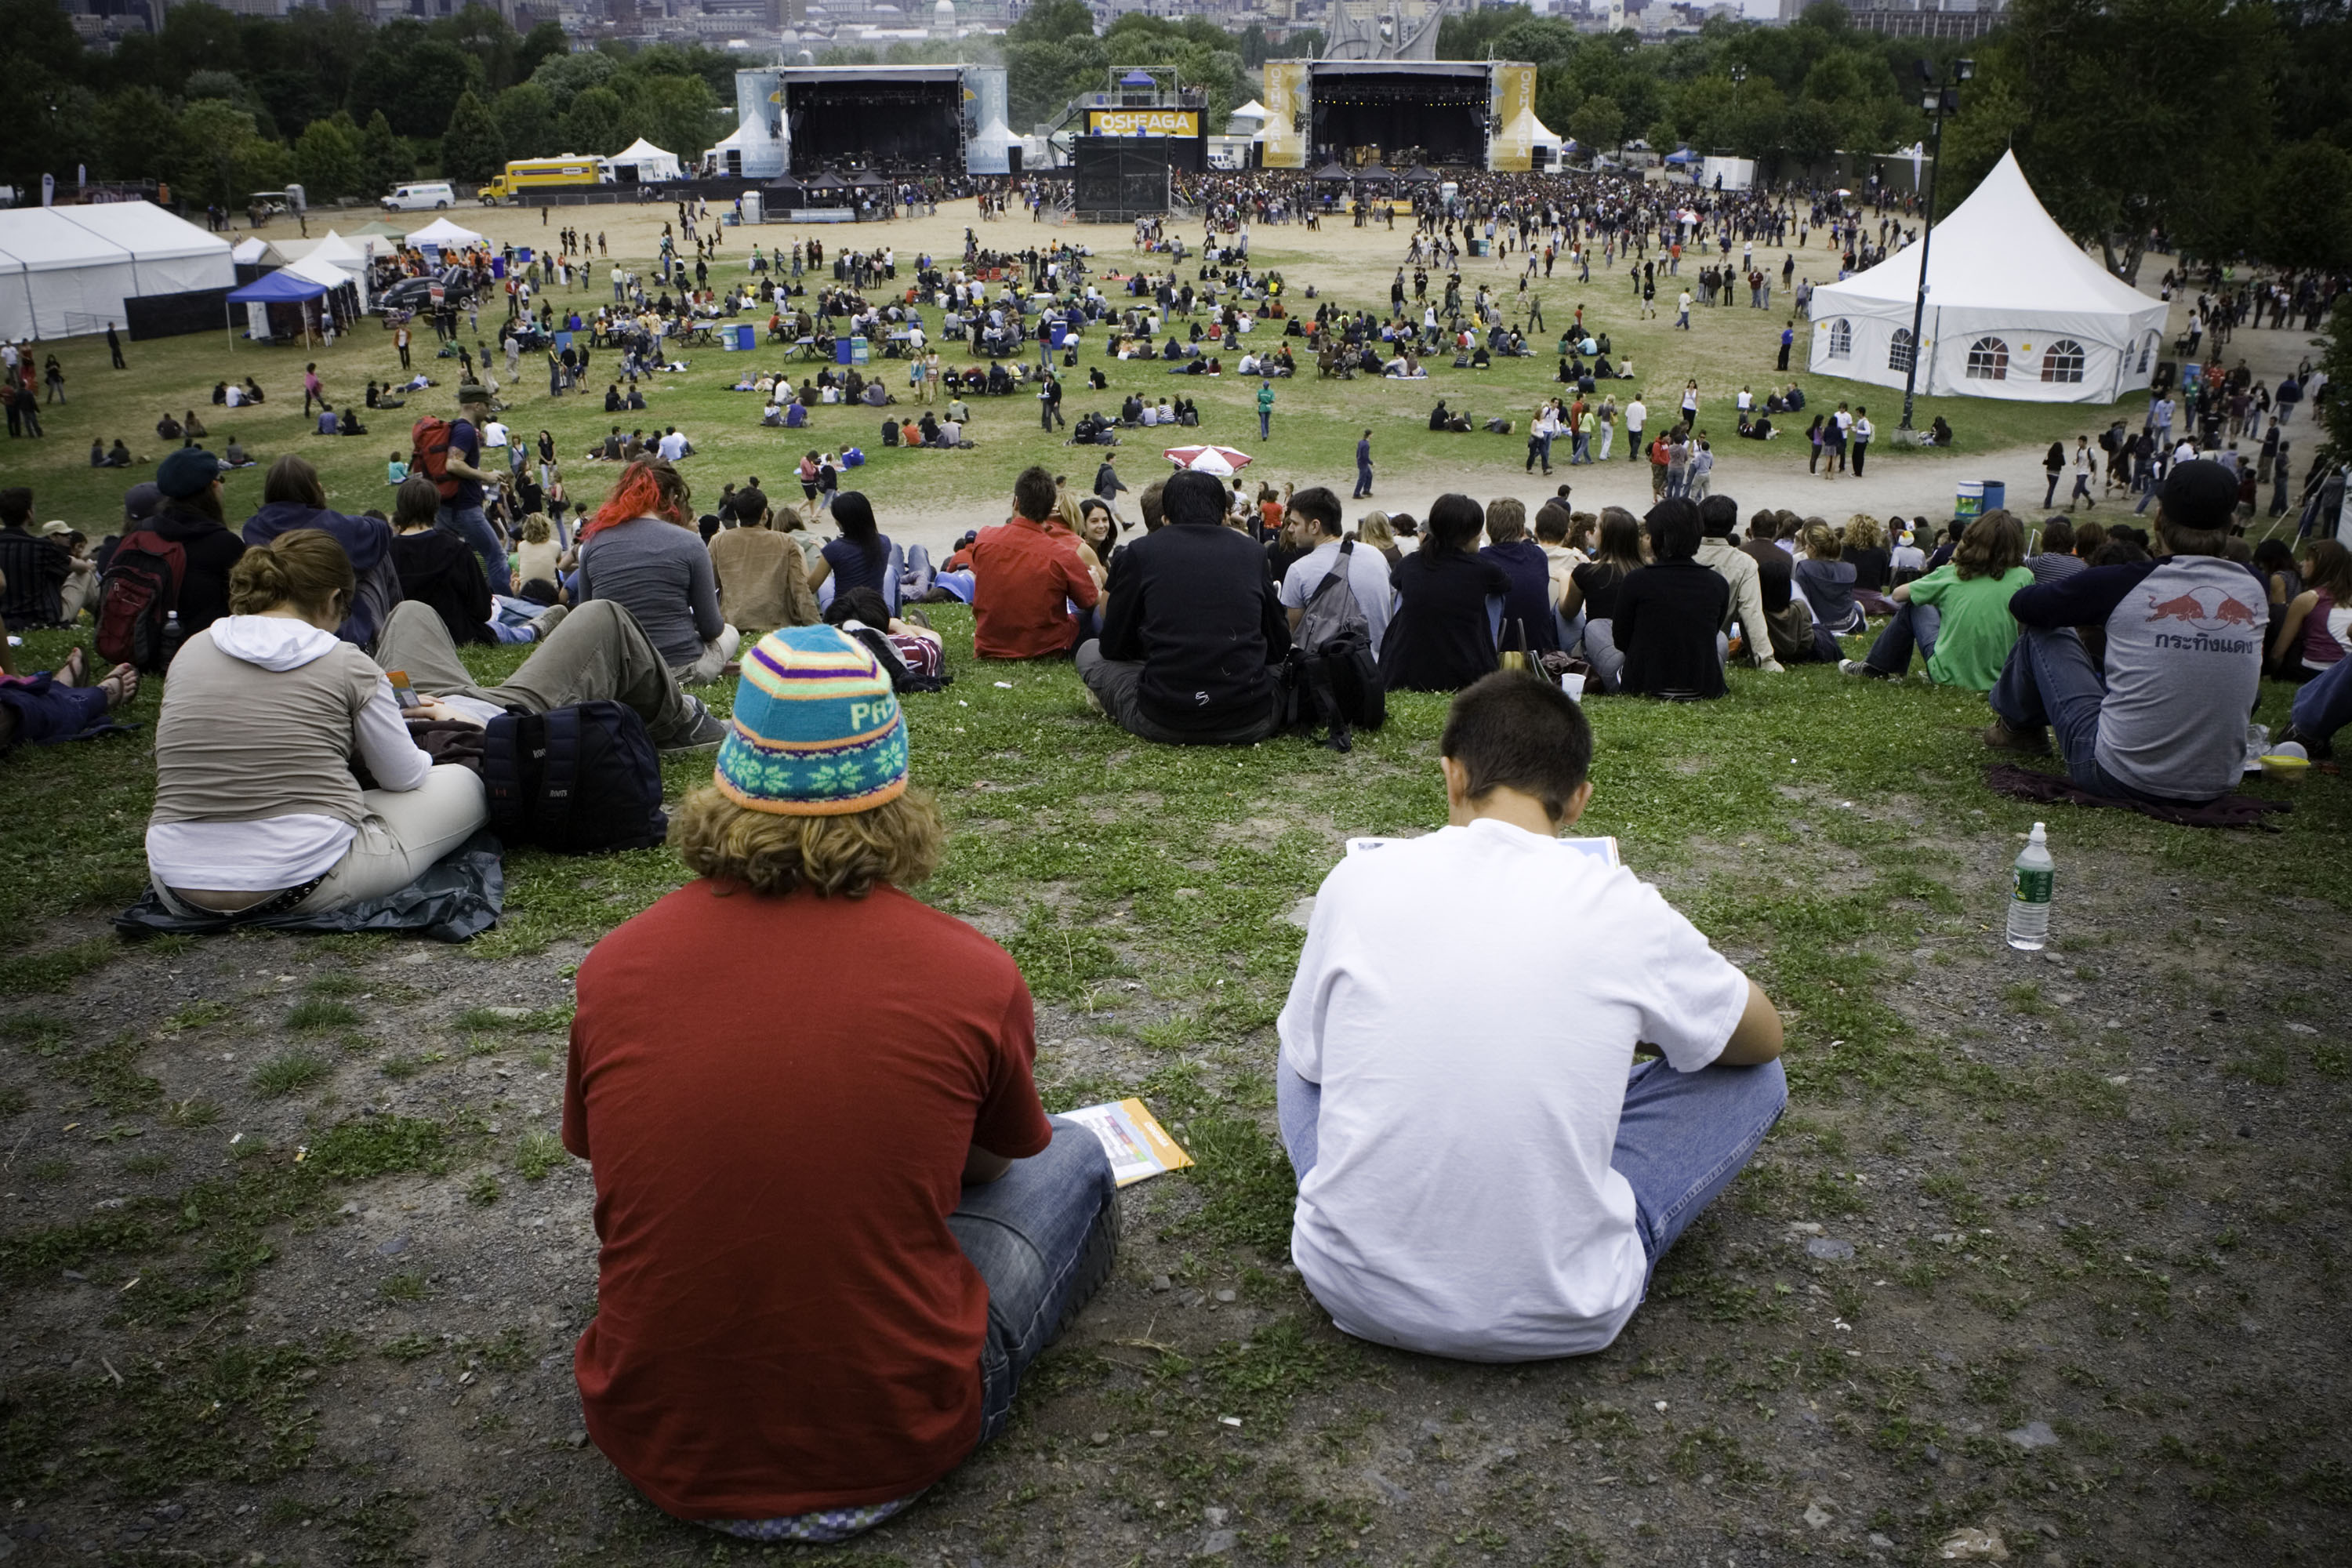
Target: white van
420,196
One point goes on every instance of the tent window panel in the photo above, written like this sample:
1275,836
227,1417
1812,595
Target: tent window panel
1841,338
2063,361
1988,359
2147,352
1898,350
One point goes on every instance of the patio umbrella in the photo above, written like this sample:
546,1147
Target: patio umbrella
1221,461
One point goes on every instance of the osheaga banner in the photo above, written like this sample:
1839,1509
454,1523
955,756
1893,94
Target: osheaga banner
1143,121
1284,135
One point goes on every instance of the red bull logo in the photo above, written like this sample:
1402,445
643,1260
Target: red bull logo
2207,609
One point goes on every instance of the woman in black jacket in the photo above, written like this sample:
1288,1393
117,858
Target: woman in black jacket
1442,636
1670,613
192,518
436,567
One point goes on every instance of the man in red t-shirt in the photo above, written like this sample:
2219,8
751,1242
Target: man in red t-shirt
837,1225
1026,576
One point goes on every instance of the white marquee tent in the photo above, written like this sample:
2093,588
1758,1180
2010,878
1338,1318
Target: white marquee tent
2014,309
443,233
256,252
650,162
66,271
344,257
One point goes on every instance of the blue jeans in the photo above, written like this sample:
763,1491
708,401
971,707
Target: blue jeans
1044,1239
468,524
1264,426
2323,704
1363,480
1680,1139
2049,679
1914,624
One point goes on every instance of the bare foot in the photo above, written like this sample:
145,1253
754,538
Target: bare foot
69,673
120,685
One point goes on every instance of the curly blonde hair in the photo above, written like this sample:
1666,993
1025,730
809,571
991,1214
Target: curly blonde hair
1862,531
898,842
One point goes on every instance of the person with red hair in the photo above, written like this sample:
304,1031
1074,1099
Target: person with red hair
643,551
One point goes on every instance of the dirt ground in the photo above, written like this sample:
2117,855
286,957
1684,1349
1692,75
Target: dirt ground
2069,1276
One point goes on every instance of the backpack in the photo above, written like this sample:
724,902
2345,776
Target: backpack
428,440
904,676
578,781
1333,678
137,599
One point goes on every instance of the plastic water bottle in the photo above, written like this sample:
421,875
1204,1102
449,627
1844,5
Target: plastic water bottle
2029,897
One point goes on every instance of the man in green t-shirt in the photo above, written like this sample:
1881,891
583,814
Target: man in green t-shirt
1957,614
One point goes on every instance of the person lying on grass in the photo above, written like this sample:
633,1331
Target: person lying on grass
834,1234
49,706
1486,1171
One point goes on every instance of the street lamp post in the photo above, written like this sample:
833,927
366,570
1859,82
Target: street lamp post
1939,100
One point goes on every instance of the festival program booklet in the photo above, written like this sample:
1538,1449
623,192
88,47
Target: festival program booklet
1137,1146
1604,849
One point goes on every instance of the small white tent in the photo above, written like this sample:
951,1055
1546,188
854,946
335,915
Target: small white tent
65,270
443,233
649,162
2014,309
990,152
344,255
256,252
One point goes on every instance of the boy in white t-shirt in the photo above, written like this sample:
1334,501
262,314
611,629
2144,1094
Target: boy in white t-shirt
1484,1170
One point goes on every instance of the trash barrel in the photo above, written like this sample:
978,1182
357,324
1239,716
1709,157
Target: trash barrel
1996,495
1969,505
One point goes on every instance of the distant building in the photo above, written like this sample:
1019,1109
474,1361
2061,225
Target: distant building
1915,18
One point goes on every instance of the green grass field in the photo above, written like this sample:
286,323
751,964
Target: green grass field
1317,422
293,1261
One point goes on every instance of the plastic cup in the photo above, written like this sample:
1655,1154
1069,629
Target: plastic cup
1573,684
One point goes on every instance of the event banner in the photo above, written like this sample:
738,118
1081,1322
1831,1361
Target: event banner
1285,114
1512,148
1143,122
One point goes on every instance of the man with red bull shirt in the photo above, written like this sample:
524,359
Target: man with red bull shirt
2164,721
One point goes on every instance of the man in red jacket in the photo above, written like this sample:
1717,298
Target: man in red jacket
1027,575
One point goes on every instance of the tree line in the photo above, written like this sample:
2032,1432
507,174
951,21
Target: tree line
2218,128
219,105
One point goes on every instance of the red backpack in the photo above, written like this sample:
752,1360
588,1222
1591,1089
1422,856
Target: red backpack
429,441
137,599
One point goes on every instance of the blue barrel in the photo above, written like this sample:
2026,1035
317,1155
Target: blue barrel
1996,495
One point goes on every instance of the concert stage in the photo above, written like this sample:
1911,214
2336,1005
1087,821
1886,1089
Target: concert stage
893,120
1476,114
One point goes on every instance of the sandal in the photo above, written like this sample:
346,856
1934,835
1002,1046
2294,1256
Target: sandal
69,672
120,685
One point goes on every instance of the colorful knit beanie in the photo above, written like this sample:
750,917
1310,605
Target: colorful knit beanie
817,732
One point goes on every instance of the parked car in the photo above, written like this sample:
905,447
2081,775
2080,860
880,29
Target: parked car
420,195
416,293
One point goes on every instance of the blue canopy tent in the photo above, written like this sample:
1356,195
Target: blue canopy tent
283,286
1138,78
1680,156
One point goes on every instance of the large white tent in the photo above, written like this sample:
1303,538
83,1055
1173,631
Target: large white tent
2014,309
650,162
444,234
66,270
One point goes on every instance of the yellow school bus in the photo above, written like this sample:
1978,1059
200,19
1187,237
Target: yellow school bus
544,174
